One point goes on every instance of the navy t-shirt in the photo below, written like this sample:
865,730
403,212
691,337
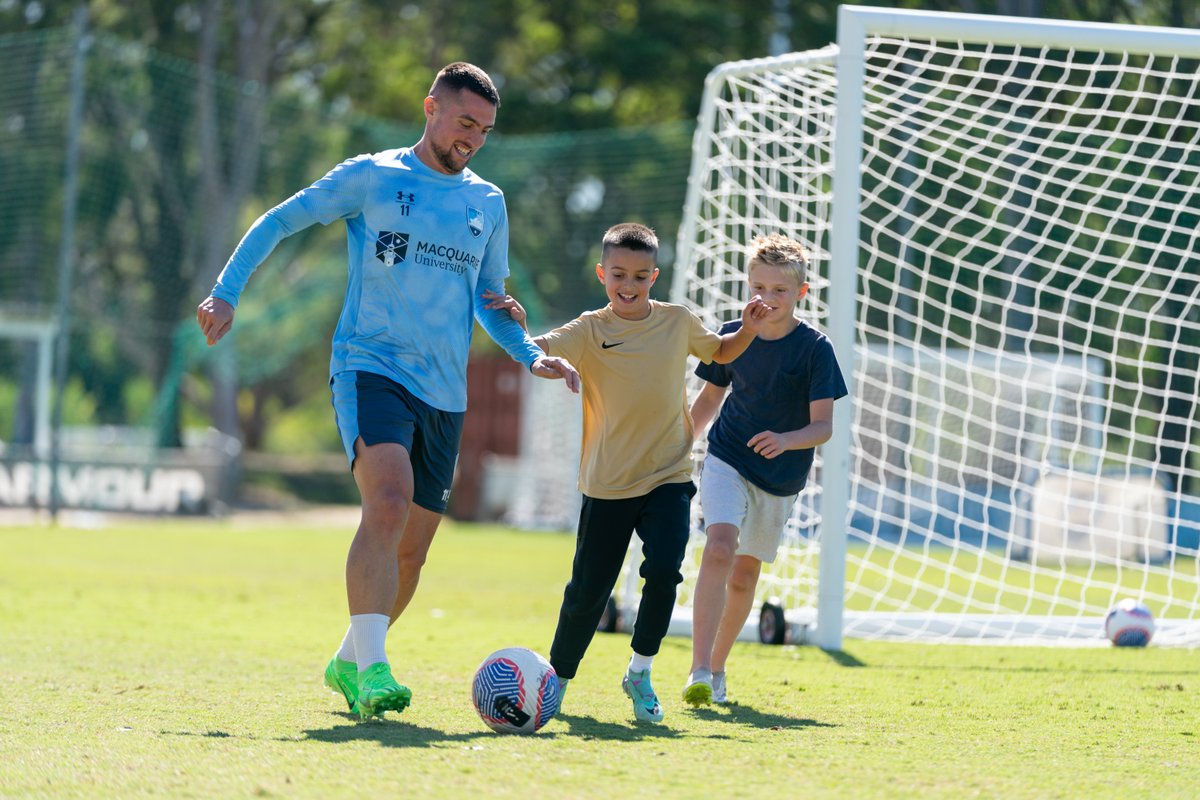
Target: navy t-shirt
773,382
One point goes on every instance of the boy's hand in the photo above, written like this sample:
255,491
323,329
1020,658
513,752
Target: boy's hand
768,444
553,367
754,315
215,317
505,301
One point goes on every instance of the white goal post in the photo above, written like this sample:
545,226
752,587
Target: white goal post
1003,217
42,333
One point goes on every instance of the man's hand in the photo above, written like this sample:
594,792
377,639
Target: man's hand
508,302
552,367
215,317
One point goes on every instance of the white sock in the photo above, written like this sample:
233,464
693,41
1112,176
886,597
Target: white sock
346,651
370,631
638,662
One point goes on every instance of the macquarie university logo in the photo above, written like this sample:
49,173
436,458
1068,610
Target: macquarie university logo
475,221
391,247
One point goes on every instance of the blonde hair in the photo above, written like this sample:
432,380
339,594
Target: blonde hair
776,250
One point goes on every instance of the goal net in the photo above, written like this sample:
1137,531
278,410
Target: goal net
1004,246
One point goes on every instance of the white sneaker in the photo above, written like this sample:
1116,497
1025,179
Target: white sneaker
718,687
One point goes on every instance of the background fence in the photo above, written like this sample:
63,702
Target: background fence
165,168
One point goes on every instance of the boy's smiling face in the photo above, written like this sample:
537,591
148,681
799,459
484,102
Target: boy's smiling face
627,276
779,288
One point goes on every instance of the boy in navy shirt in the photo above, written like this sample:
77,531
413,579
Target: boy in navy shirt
760,451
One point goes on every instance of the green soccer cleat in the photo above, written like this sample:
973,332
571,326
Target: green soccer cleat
699,689
645,702
342,678
378,692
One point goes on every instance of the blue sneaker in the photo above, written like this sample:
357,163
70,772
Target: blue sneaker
699,689
645,701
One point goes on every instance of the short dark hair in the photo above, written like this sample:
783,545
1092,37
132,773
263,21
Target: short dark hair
461,75
631,236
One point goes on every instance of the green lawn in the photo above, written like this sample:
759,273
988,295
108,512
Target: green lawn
183,659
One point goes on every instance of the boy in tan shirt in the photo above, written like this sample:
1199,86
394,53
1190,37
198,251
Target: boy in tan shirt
635,470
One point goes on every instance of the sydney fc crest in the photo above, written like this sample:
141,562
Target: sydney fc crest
391,247
475,221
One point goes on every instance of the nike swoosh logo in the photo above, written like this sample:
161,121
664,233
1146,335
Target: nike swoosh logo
606,345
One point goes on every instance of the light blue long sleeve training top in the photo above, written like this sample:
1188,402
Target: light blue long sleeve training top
423,247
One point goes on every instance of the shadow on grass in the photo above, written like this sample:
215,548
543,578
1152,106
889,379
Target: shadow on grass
401,733
391,732
742,714
587,728
843,658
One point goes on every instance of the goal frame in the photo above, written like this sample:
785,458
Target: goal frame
856,24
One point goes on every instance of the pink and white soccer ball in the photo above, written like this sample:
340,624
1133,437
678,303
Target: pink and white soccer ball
1129,624
516,691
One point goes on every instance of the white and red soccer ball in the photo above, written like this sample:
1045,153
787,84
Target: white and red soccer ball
516,691
1129,624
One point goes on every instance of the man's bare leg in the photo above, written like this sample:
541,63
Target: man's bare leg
384,476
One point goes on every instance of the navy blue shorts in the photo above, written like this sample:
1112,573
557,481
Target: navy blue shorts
381,410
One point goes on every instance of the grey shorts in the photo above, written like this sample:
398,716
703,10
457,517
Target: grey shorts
760,517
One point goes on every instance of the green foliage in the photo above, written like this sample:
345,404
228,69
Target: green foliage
598,103
191,667
8,404
303,427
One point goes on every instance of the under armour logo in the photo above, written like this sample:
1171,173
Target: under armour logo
405,197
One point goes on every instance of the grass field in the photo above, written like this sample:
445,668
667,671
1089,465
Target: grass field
183,659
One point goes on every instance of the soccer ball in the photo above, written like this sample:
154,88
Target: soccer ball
516,691
1129,624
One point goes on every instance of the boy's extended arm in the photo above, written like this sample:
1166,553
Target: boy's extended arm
770,444
734,343
704,407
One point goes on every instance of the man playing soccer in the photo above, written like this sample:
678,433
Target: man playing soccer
427,237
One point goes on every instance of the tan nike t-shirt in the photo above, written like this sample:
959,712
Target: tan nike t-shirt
637,432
